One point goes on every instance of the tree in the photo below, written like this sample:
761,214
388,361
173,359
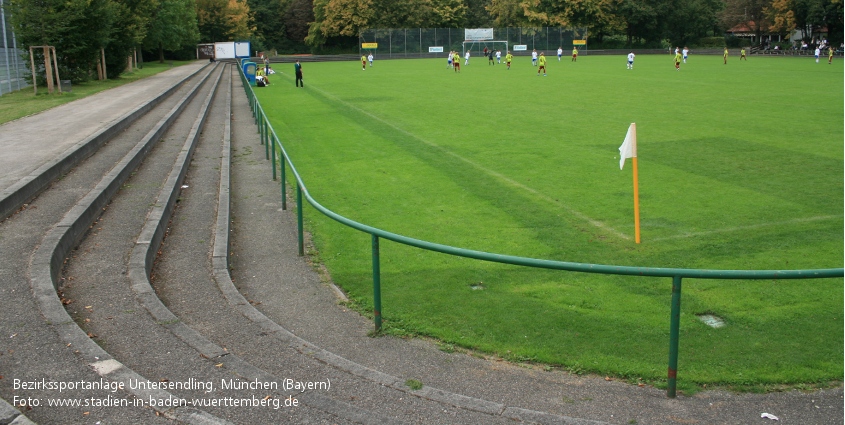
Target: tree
507,13
223,20
268,22
689,20
782,16
127,33
641,19
447,14
77,28
173,26
346,17
297,18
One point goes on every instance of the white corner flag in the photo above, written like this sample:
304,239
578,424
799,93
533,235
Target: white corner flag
629,146
629,150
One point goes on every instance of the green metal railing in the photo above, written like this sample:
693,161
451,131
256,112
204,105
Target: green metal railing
273,149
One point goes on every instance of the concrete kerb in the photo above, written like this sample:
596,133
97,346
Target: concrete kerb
28,187
237,301
140,264
47,260
10,415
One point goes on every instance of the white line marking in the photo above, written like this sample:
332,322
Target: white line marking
748,227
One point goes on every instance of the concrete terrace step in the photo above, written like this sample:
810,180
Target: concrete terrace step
35,349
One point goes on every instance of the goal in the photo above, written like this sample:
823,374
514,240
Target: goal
476,47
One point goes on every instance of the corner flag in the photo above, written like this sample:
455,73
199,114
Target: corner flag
629,150
629,146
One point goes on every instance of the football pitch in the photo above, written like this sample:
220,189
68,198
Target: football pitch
740,167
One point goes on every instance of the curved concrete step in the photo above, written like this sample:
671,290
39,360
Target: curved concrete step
31,350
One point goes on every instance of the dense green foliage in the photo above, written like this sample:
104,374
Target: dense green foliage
733,175
79,29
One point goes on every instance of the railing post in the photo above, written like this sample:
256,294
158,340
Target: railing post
273,154
265,137
674,331
282,161
376,285
299,219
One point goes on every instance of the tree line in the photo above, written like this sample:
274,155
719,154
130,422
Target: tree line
81,29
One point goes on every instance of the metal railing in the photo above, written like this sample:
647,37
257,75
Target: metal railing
273,149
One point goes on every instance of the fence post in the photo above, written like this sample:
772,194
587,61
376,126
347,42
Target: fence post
272,153
282,161
674,330
299,219
264,135
376,285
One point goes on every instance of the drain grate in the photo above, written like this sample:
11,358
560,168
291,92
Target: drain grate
711,320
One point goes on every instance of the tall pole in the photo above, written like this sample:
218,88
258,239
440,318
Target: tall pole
5,45
636,188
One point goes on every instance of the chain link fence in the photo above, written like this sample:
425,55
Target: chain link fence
13,67
433,42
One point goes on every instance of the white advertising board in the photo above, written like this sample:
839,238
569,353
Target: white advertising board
476,34
224,50
242,49
435,49
517,47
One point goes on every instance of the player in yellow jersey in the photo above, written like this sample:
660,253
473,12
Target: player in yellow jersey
363,63
830,55
574,54
508,59
678,59
542,61
725,55
456,61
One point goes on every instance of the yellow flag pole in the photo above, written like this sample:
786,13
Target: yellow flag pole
636,187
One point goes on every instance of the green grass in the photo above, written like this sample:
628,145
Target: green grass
741,167
24,102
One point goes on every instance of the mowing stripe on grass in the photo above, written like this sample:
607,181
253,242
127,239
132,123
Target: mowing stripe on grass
483,169
749,227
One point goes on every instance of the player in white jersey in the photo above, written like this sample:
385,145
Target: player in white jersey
467,57
685,53
370,58
631,60
499,56
559,53
534,58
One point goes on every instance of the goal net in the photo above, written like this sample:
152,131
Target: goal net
476,47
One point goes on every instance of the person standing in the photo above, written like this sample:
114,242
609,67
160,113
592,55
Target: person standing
297,70
370,59
508,59
534,58
542,61
499,56
449,59
490,60
678,60
456,61
631,60
830,55
818,52
574,54
559,53
725,55
685,52
742,54
363,63
467,57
